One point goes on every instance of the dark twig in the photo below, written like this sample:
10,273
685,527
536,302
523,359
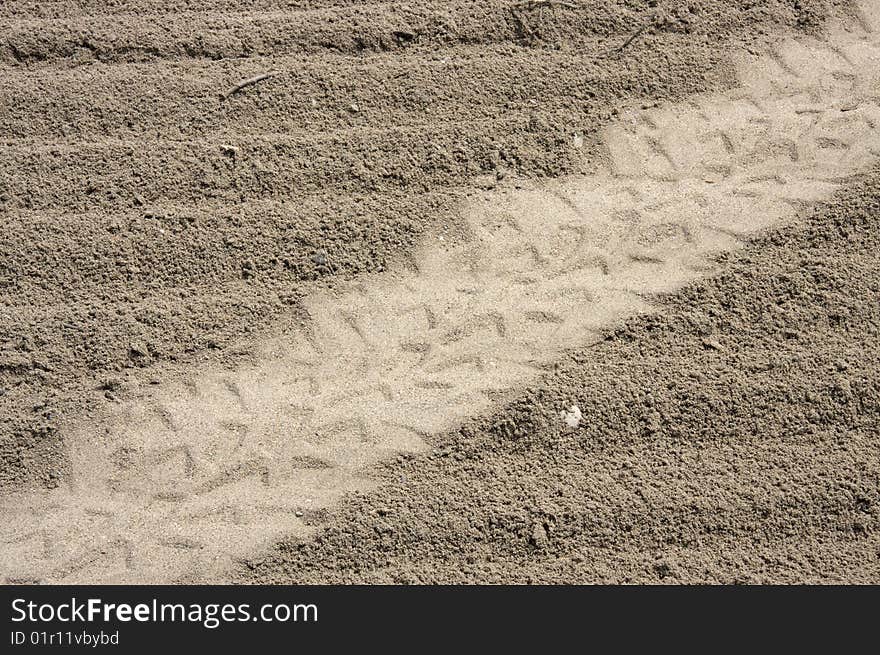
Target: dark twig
632,38
248,82
625,44
538,4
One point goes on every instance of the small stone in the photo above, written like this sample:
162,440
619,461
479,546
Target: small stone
712,344
539,538
653,423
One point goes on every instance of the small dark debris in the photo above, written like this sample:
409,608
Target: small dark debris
111,384
138,349
403,37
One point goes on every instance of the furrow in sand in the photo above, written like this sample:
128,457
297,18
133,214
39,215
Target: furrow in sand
230,143
181,479
30,9
103,175
312,94
348,29
811,559
98,254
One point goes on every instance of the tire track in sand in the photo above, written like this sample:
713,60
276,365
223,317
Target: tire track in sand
186,477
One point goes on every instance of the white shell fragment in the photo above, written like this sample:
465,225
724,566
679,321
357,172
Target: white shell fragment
572,417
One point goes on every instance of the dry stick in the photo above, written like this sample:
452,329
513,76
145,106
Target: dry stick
248,82
625,44
538,4
632,38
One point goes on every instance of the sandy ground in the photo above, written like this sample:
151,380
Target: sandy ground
146,221
221,313
731,438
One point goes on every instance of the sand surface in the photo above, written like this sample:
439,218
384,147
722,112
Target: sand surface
338,325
